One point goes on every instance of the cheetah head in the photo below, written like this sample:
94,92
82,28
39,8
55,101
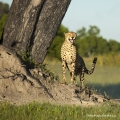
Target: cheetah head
70,37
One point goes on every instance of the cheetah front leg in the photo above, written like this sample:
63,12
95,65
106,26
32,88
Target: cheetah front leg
73,73
64,72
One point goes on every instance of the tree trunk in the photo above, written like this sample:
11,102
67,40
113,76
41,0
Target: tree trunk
21,23
32,25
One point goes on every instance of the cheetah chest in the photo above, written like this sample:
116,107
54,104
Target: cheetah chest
69,54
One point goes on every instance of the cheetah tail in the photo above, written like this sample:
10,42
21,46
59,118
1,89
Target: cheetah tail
93,67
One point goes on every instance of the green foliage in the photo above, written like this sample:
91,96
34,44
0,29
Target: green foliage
2,23
114,46
54,50
4,9
94,31
90,43
49,73
81,33
30,62
46,111
27,60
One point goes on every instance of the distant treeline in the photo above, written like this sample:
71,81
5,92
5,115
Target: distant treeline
88,42
4,9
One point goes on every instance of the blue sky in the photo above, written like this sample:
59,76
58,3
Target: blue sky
105,14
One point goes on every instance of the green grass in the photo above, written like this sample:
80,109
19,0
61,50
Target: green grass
46,111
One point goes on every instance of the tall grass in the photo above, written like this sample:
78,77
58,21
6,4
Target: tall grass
46,111
110,59
104,73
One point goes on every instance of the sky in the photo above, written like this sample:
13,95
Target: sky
105,14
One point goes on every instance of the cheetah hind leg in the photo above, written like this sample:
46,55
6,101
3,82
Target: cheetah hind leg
82,79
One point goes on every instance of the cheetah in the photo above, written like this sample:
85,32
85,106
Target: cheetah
72,60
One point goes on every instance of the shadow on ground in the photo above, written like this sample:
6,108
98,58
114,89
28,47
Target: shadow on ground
113,90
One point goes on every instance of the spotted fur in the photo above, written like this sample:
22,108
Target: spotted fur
72,60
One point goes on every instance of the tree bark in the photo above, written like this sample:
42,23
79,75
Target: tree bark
21,22
32,25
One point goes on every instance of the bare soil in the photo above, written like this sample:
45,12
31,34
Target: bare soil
21,86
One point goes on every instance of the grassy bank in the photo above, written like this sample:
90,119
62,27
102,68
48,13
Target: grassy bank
46,111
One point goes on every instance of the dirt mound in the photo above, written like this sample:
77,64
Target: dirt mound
20,86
